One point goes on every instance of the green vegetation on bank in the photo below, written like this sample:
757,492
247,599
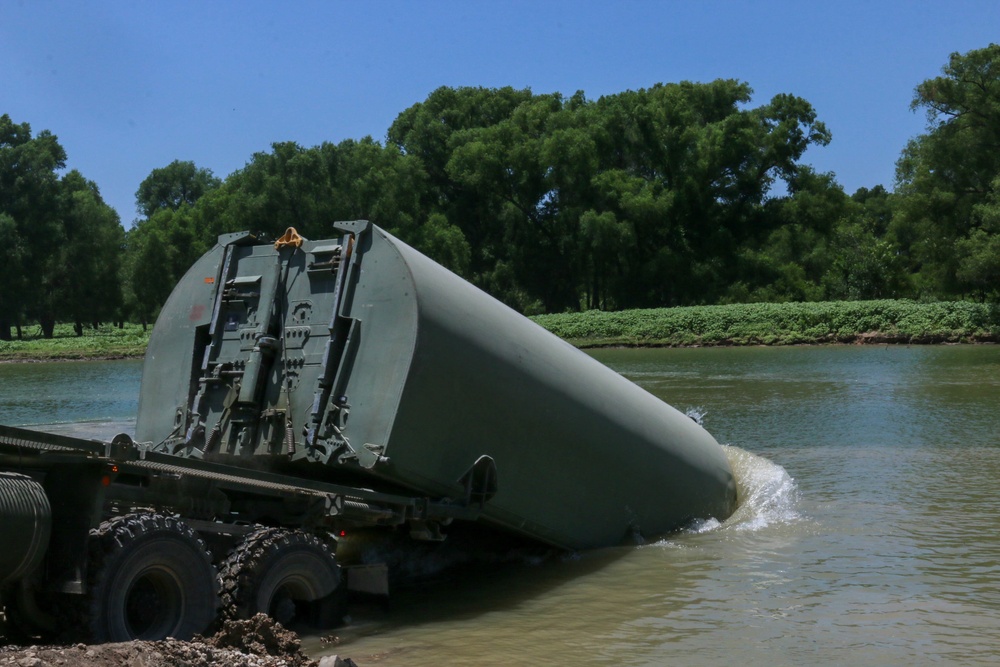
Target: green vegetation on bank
889,321
105,342
886,321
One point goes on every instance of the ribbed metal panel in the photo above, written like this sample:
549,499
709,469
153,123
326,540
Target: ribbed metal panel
25,525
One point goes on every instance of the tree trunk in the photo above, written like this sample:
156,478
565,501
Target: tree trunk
5,329
78,328
48,325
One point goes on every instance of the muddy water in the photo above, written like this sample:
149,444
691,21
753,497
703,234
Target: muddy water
868,532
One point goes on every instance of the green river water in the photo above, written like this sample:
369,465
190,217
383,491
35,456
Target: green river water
867,532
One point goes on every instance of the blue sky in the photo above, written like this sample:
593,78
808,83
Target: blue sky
131,86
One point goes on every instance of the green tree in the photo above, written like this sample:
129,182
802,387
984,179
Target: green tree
173,186
663,196
979,263
672,180
607,244
693,169
30,200
150,266
310,188
944,174
158,251
288,186
521,171
83,272
428,135
979,254
12,276
865,259
163,245
62,242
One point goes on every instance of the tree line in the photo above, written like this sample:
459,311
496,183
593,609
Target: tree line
61,243
679,194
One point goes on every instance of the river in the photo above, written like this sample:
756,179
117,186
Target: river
867,532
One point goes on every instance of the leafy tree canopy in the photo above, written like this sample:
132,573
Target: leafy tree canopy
947,174
173,186
678,194
61,240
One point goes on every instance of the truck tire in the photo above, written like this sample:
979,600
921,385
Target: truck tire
151,578
288,575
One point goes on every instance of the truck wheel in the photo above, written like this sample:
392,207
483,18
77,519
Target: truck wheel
289,575
152,578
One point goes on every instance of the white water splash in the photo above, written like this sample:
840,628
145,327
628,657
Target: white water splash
703,526
697,414
768,494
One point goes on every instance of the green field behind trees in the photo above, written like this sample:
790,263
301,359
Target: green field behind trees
678,195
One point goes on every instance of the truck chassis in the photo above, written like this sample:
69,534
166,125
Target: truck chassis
123,542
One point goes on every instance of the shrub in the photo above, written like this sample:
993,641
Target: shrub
781,324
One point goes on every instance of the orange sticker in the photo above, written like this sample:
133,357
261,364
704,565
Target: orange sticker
209,281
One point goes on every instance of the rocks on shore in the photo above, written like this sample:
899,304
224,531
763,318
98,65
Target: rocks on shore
257,642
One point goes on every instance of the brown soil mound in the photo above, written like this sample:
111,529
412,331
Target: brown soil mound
257,642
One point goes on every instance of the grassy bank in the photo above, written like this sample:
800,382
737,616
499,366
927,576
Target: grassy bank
105,342
737,324
887,321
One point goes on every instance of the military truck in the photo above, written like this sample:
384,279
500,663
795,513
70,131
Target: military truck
296,391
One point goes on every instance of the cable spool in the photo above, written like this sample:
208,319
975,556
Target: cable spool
25,524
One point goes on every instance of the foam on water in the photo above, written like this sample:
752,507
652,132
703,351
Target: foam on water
697,414
767,493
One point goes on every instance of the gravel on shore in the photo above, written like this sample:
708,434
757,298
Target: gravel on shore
256,642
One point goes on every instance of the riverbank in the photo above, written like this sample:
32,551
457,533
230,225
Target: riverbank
816,323
826,322
105,342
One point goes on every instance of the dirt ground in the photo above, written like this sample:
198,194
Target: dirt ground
257,642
